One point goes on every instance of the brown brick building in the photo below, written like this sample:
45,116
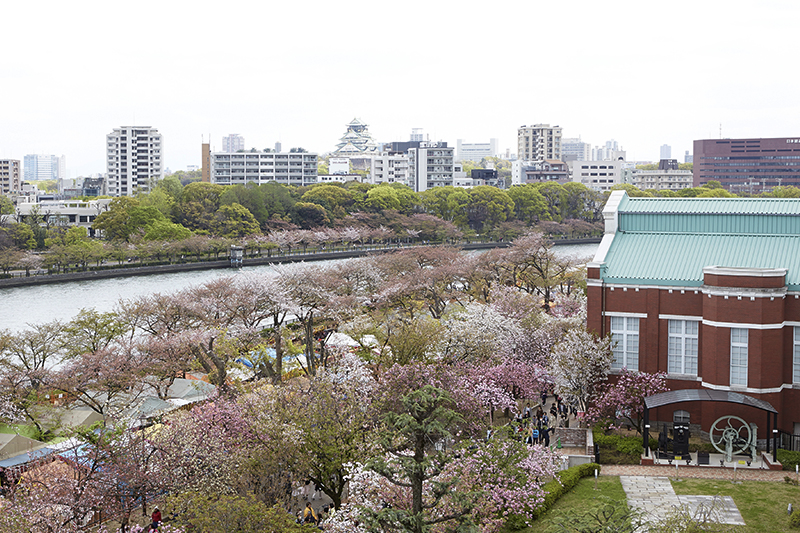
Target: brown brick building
707,291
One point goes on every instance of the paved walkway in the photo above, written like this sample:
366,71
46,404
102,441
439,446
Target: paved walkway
698,472
656,499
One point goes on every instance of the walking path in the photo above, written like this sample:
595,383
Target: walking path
695,472
656,499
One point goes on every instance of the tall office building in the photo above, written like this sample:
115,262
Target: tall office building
10,180
748,166
232,143
574,149
538,142
666,152
134,160
43,167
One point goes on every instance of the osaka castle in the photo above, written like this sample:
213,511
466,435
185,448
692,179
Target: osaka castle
356,141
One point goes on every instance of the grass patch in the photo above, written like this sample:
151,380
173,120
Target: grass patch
762,504
21,429
581,498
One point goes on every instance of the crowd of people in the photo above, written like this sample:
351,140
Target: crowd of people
536,426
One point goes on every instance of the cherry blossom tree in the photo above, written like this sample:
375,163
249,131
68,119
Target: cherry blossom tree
579,362
623,398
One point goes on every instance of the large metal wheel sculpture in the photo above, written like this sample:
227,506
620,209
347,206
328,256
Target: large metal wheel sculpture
731,435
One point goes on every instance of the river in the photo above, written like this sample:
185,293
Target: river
20,306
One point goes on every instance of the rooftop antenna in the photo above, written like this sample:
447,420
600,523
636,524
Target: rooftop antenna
720,130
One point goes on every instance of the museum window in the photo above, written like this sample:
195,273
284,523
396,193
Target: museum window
625,341
796,359
738,356
682,355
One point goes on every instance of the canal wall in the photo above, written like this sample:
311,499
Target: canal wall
129,271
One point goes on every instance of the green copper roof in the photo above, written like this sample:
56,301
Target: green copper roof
675,259
668,241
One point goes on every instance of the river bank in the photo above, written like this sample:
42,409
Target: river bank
126,270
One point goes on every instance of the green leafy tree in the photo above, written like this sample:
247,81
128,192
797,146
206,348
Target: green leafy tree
329,196
234,220
6,206
310,215
488,207
382,198
529,205
164,230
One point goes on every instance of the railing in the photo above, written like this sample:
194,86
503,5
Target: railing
787,441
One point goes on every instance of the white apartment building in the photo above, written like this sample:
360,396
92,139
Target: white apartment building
259,168
10,180
389,167
475,151
134,160
232,143
43,167
672,180
430,165
538,142
597,175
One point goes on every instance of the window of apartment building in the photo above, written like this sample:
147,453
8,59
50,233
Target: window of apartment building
625,339
796,361
738,356
682,355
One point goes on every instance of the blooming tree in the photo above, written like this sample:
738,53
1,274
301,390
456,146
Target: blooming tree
579,362
623,399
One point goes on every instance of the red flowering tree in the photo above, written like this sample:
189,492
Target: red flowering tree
623,400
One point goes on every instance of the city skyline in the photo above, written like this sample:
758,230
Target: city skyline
304,83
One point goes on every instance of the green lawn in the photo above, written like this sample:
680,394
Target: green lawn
762,504
580,498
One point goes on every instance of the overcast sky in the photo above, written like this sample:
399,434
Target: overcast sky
642,73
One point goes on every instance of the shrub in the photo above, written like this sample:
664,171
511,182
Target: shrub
794,519
788,459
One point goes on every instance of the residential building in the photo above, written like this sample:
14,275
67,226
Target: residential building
430,165
574,149
43,167
232,143
10,181
487,176
706,290
748,166
205,158
338,165
688,158
475,151
666,152
666,177
389,167
241,168
538,142
134,160
538,171
597,175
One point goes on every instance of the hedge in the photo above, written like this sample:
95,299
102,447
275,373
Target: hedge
567,479
626,445
788,459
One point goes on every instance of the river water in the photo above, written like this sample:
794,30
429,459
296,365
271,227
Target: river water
20,306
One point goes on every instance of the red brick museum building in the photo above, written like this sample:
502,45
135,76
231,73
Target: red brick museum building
706,290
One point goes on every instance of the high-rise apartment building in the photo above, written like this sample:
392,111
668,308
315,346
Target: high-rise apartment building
538,142
232,143
134,159
475,151
748,166
666,152
10,181
43,167
430,165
